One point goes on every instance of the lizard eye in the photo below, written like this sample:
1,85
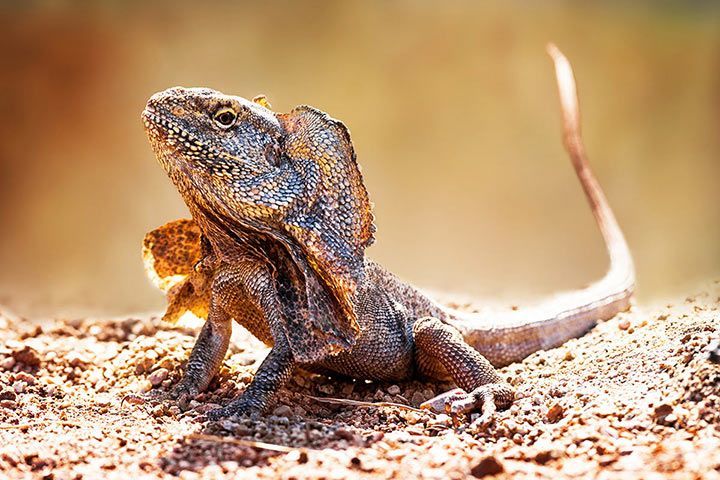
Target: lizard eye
225,117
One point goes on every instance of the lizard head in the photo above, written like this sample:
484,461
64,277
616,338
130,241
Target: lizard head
293,176
211,144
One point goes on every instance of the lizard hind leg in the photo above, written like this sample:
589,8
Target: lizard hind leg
440,350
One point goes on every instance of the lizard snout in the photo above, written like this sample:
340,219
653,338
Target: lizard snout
164,97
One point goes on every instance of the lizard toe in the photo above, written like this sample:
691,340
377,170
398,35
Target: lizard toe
486,398
443,403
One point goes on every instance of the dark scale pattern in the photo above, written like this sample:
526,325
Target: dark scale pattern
281,220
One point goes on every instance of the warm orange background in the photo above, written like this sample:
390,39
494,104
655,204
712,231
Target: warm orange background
453,112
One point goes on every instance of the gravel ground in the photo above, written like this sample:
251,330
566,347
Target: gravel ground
638,397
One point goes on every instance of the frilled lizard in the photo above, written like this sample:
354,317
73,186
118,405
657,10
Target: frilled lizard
280,223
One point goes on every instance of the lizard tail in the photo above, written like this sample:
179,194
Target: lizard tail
570,314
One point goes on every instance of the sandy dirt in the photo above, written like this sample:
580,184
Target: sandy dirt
638,397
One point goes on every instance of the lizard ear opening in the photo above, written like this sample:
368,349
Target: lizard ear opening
336,226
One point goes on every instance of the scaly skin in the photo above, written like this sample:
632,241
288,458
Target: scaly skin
284,219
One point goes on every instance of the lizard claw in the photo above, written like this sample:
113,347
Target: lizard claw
443,402
153,396
133,399
179,395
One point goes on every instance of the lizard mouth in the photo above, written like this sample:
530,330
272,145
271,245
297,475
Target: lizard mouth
156,122
162,130
166,138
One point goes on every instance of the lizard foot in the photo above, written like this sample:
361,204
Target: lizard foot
485,398
238,408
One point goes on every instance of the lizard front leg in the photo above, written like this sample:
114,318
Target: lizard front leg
272,374
254,282
206,357
205,360
440,348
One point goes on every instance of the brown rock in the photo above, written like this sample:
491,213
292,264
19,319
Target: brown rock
487,466
25,377
7,394
27,355
555,413
661,411
299,456
417,398
544,456
283,411
343,433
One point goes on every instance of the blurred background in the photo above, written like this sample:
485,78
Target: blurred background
454,115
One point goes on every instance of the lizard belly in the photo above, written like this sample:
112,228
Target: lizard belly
384,350
375,356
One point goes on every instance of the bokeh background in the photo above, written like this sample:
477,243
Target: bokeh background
452,108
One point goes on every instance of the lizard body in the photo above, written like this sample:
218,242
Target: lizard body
281,221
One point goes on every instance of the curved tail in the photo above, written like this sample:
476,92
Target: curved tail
512,336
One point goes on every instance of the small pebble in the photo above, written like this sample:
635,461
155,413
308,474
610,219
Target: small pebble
345,434
662,411
74,359
94,377
7,393
158,376
441,420
28,356
7,363
417,398
487,466
158,410
327,389
555,413
283,411
299,456
413,417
